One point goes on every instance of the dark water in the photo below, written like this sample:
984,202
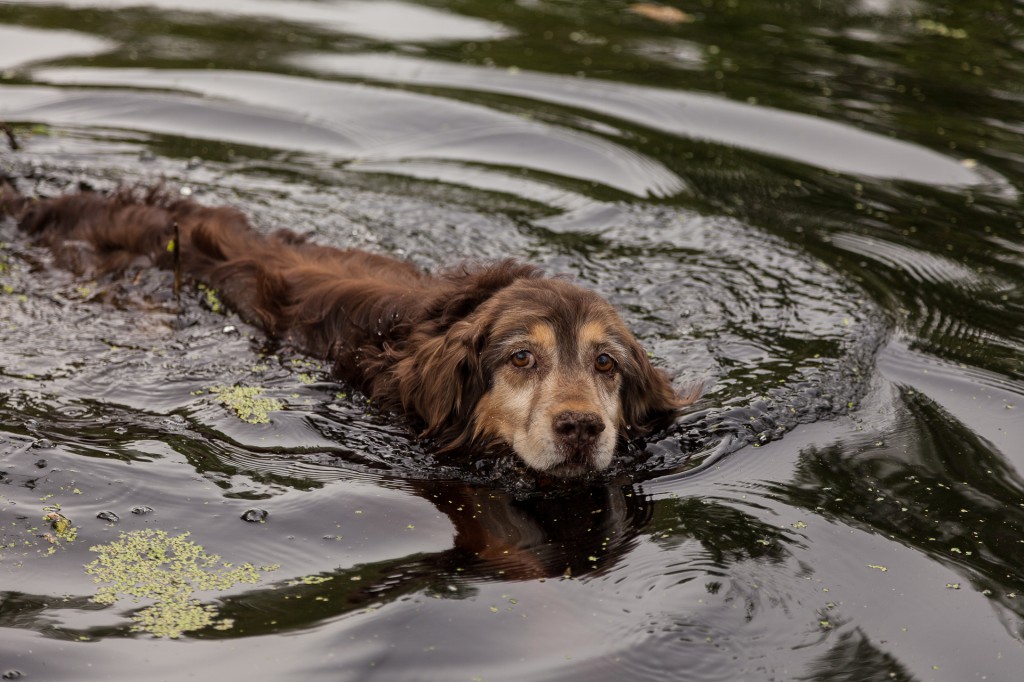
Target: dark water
813,207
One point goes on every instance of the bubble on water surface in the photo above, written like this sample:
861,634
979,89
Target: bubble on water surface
255,515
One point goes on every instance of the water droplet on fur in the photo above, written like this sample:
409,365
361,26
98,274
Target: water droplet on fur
255,515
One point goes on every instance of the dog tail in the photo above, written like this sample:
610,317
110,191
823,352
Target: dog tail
133,228
91,233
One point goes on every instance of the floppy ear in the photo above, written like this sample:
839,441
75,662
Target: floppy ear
441,382
649,402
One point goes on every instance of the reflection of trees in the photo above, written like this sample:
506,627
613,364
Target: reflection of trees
35,612
852,658
950,496
567,533
727,535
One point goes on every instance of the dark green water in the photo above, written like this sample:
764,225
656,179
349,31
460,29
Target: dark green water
811,207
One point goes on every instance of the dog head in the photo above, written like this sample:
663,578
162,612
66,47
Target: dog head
544,367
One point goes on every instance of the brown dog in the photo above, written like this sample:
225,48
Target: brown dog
482,356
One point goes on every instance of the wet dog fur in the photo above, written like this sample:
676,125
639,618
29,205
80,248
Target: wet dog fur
479,357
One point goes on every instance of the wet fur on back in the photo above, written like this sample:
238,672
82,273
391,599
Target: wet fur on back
446,350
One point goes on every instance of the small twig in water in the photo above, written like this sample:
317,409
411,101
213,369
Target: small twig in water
177,264
11,139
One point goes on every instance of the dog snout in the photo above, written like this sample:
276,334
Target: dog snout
578,429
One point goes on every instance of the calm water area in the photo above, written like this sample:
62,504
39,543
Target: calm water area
810,207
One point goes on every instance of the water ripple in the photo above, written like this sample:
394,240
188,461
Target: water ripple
20,46
920,265
374,19
808,139
354,122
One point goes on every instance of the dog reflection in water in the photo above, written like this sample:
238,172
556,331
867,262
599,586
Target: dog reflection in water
479,357
582,529
571,532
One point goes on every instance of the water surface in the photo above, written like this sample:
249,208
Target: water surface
812,209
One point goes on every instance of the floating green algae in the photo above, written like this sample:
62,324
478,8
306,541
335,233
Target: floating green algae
247,402
62,526
213,301
149,564
310,580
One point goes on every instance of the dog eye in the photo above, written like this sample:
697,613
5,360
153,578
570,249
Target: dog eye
604,363
523,359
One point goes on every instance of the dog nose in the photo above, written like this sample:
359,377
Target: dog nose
579,428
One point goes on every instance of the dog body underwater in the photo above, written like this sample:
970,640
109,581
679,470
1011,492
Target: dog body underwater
478,357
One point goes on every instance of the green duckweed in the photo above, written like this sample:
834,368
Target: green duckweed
212,299
150,564
247,402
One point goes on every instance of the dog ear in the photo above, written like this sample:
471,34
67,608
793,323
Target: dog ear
442,380
649,402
